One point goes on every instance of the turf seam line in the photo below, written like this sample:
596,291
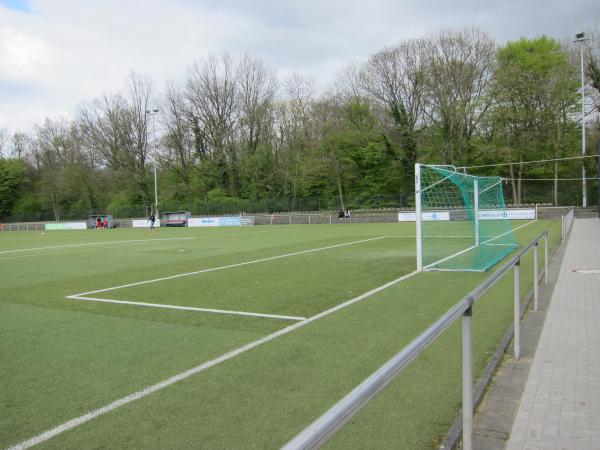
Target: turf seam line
229,266
186,308
188,373
96,243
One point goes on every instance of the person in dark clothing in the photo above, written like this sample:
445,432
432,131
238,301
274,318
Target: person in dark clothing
152,219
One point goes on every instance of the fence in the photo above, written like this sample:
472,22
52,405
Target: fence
316,434
567,223
326,217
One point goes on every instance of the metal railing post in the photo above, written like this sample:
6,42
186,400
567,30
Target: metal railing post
320,430
546,260
535,277
467,378
517,311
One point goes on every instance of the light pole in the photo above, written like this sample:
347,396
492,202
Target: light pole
580,37
152,113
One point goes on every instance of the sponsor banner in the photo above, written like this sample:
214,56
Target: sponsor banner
76,226
247,220
143,223
203,222
235,221
54,226
427,216
514,214
66,226
229,221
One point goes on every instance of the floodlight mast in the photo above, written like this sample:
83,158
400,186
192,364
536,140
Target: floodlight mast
152,113
580,37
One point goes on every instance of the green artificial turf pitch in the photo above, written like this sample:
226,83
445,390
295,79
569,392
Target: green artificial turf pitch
63,357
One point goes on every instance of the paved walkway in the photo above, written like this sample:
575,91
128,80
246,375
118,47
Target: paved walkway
560,406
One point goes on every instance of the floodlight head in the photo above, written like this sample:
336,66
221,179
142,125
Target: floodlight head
580,35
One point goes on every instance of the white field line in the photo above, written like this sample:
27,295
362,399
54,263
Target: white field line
439,261
229,266
125,241
95,243
514,229
187,308
200,368
427,236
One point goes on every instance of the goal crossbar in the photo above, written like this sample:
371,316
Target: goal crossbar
473,206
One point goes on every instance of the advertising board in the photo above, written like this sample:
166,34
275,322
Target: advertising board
66,226
143,223
427,216
513,214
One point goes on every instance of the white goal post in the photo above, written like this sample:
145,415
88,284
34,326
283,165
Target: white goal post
462,222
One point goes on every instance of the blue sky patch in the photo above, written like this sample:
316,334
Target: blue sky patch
19,5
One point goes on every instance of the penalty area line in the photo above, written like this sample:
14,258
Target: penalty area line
200,368
186,308
229,266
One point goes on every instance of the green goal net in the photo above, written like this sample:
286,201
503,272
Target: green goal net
462,220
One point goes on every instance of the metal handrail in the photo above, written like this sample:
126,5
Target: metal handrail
567,222
317,433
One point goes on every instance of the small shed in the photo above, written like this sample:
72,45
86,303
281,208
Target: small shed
175,218
106,221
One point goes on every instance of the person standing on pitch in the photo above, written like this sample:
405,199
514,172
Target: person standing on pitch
152,219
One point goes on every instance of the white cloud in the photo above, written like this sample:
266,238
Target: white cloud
64,52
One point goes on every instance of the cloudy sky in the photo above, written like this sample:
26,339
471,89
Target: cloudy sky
55,54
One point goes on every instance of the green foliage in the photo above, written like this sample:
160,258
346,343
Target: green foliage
535,91
13,179
540,57
454,98
359,158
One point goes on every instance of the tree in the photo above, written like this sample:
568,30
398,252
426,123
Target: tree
293,138
354,153
20,145
116,128
179,139
4,139
592,68
459,67
256,89
535,91
13,175
211,90
395,78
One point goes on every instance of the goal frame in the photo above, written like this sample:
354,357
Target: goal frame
419,218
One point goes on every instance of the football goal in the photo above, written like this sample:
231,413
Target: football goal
462,220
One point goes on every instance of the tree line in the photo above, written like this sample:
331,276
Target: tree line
231,136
